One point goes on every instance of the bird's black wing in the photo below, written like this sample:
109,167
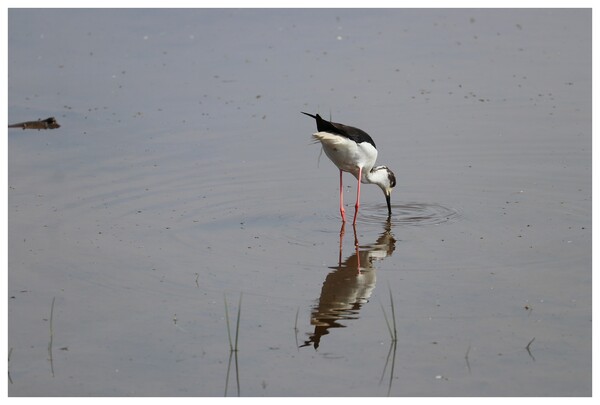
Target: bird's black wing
355,134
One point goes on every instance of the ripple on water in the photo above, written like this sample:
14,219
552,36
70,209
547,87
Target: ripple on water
412,213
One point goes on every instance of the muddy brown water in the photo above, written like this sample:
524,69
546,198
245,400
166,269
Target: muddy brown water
183,175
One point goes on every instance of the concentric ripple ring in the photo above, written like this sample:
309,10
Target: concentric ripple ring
410,213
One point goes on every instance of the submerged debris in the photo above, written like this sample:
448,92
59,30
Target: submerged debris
48,123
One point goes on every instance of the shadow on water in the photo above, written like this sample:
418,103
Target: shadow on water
348,287
233,347
393,342
391,355
233,355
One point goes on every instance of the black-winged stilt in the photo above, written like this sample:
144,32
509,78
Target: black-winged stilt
353,151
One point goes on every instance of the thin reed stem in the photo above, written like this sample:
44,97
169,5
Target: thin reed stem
237,327
227,320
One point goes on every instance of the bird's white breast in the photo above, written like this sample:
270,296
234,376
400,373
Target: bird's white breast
346,154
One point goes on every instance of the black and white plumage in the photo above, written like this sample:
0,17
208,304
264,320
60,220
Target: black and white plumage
352,150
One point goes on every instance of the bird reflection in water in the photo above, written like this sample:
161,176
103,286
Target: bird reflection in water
349,286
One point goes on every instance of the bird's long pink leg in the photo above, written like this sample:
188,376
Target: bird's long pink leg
342,210
357,196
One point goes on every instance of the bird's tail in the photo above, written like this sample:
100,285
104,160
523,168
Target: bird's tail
310,115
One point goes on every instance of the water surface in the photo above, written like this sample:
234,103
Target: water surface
183,175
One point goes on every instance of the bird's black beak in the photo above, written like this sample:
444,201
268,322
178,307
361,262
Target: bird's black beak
389,204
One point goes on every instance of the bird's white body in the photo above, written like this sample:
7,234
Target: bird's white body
354,158
348,155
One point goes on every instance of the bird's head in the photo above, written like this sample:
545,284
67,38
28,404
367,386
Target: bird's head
386,180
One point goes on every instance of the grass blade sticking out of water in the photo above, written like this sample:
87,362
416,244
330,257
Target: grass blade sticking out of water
387,322
528,348
227,320
395,338
9,354
391,327
467,358
237,326
233,347
296,328
51,336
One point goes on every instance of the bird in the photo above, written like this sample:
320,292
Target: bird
352,150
